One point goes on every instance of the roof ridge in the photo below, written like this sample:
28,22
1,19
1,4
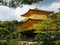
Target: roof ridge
39,10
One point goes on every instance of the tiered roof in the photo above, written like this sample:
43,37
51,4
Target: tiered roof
36,11
28,24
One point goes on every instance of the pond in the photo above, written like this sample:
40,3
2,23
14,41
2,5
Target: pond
15,42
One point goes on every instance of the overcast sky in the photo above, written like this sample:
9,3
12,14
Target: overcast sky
7,13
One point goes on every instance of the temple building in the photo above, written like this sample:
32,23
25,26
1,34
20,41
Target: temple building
33,17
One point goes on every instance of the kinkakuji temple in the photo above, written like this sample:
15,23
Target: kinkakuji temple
34,17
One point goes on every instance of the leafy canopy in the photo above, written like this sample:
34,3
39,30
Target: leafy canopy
16,3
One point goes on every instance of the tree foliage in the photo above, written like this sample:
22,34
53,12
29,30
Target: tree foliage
16,3
8,30
48,38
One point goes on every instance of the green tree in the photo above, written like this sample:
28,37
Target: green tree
48,38
16,3
57,19
58,15
6,28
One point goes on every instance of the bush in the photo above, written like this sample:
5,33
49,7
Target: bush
48,38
